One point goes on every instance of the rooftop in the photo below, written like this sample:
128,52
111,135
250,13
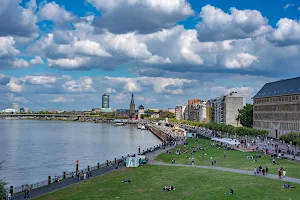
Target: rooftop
279,88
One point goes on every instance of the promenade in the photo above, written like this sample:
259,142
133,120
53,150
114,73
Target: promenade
68,182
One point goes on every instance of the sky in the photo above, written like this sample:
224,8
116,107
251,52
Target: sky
65,54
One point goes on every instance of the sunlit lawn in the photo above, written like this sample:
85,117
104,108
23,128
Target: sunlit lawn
234,159
190,183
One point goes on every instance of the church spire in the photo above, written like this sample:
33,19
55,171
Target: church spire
132,100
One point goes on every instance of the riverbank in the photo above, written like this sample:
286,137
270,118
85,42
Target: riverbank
96,171
190,182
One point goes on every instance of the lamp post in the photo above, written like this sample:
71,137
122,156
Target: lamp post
246,141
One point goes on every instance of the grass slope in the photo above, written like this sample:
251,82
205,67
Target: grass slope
190,183
234,159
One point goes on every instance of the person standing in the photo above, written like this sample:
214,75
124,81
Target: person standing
283,174
9,196
84,176
224,154
255,171
26,194
279,173
215,163
267,170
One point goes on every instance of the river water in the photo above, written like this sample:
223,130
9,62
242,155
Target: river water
33,150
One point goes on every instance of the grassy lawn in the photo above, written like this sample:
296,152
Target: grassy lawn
234,159
190,183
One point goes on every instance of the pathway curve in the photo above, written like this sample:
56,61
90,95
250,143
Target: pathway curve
239,171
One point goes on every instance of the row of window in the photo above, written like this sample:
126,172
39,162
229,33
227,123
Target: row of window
276,99
283,125
277,116
280,107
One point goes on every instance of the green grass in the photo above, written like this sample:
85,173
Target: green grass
190,183
234,159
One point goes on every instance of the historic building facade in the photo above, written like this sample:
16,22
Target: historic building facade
276,107
196,110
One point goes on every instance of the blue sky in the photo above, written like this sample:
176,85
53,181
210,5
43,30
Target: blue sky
66,54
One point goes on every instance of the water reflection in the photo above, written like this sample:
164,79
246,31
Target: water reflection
32,150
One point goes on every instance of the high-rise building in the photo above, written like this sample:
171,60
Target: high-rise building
105,101
197,110
132,107
178,111
16,106
225,109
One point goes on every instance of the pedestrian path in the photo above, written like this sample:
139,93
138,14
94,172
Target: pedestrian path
63,184
271,176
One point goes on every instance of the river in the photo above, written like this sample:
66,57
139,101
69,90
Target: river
33,150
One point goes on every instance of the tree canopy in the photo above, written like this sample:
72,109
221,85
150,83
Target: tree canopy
291,137
241,131
245,115
2,186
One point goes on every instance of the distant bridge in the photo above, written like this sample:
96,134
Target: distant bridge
22,115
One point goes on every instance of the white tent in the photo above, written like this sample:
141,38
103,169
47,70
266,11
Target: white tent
227,141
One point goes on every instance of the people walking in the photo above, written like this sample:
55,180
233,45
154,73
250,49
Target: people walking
26,194
279,173
255,171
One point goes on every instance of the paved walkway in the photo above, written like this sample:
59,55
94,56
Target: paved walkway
63,184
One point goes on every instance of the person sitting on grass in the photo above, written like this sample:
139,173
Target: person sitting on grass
126,181
168,188
230,192
287,185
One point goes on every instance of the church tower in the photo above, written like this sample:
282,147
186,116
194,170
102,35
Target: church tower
132,107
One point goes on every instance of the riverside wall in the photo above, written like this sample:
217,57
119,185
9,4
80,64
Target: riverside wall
160,134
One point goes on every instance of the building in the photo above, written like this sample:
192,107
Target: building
16,106
132,108
276,107
225,109
141,111
196,110
122,113
209,107
178,112
186,113
9,110
26,110
105,101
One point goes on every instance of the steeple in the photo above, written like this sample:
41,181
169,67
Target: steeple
132,100
132,107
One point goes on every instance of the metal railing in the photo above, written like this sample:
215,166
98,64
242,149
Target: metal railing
68,175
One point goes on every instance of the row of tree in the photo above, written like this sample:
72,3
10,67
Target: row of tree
292,138
2,186
224,128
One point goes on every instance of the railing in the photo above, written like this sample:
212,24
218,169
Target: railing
68,175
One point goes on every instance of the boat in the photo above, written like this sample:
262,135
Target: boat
119,122
139,126
143,127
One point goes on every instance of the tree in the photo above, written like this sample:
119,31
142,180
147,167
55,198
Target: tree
2,186
245,115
